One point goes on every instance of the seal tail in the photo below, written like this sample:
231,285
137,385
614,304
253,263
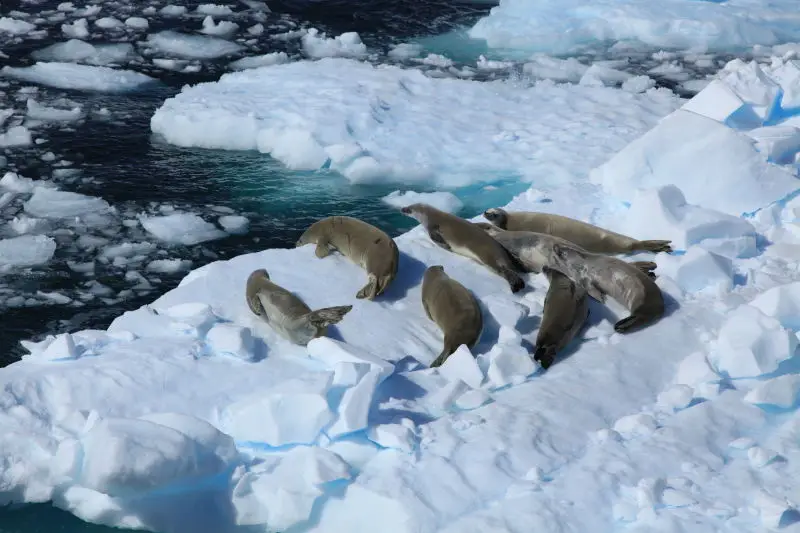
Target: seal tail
327,316
449,348
545,355
514,280
654,246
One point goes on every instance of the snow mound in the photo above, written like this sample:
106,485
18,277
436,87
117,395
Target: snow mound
390,124
445,201
79,77
783,392
698,270
781,302
181,228
663,211
572,25
751,344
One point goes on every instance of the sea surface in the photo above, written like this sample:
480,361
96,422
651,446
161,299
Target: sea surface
123,163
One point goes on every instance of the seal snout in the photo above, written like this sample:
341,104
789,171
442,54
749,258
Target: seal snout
405,210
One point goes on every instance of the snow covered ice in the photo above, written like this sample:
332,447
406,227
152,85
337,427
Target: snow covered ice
192,415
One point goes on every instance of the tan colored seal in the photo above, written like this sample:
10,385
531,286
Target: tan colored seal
589,237
466,239
364,244
566,307
286,313
454,309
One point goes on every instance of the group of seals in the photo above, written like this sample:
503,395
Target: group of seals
570,253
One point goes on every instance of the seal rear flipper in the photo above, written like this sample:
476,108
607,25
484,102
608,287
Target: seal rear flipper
645,266
370,290
633,323
322,250
327,316
545,355
595,292
654,246
514,280
449,348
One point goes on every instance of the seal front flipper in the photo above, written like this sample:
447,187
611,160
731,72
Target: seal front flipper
436,236
631,323
595,292
322,250
645,266
370,290
327,316
654,246
545,356
514,280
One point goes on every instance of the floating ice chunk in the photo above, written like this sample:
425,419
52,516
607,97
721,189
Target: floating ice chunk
76,50
405,51
123,457
273,58
256,29
781,302
694,370
291,413
285,495
397,436
15,27
224,28
751,344
676,397
436,60
598,75
783,391
168,266
780,144
638,84
698,269
489,64
551,68
332,352
510,365
36,111
234,223
317,45
181,228
26,250
218,10
79,77
14,182
462,365
24,224
127,249
61,347
693,161
15,136
355,405
232,340
632,426
663,211
107,23
772,509
296,148
77,30
173,10
137,23
445,201
191,46
52,203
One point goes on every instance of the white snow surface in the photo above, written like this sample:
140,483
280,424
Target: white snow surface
569,25
192,415
80,77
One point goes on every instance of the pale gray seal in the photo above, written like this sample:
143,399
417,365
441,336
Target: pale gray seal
589,237
631,285
464,238
566,307
534,261
364,244
286,313
454,309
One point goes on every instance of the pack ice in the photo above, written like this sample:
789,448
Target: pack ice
191,415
